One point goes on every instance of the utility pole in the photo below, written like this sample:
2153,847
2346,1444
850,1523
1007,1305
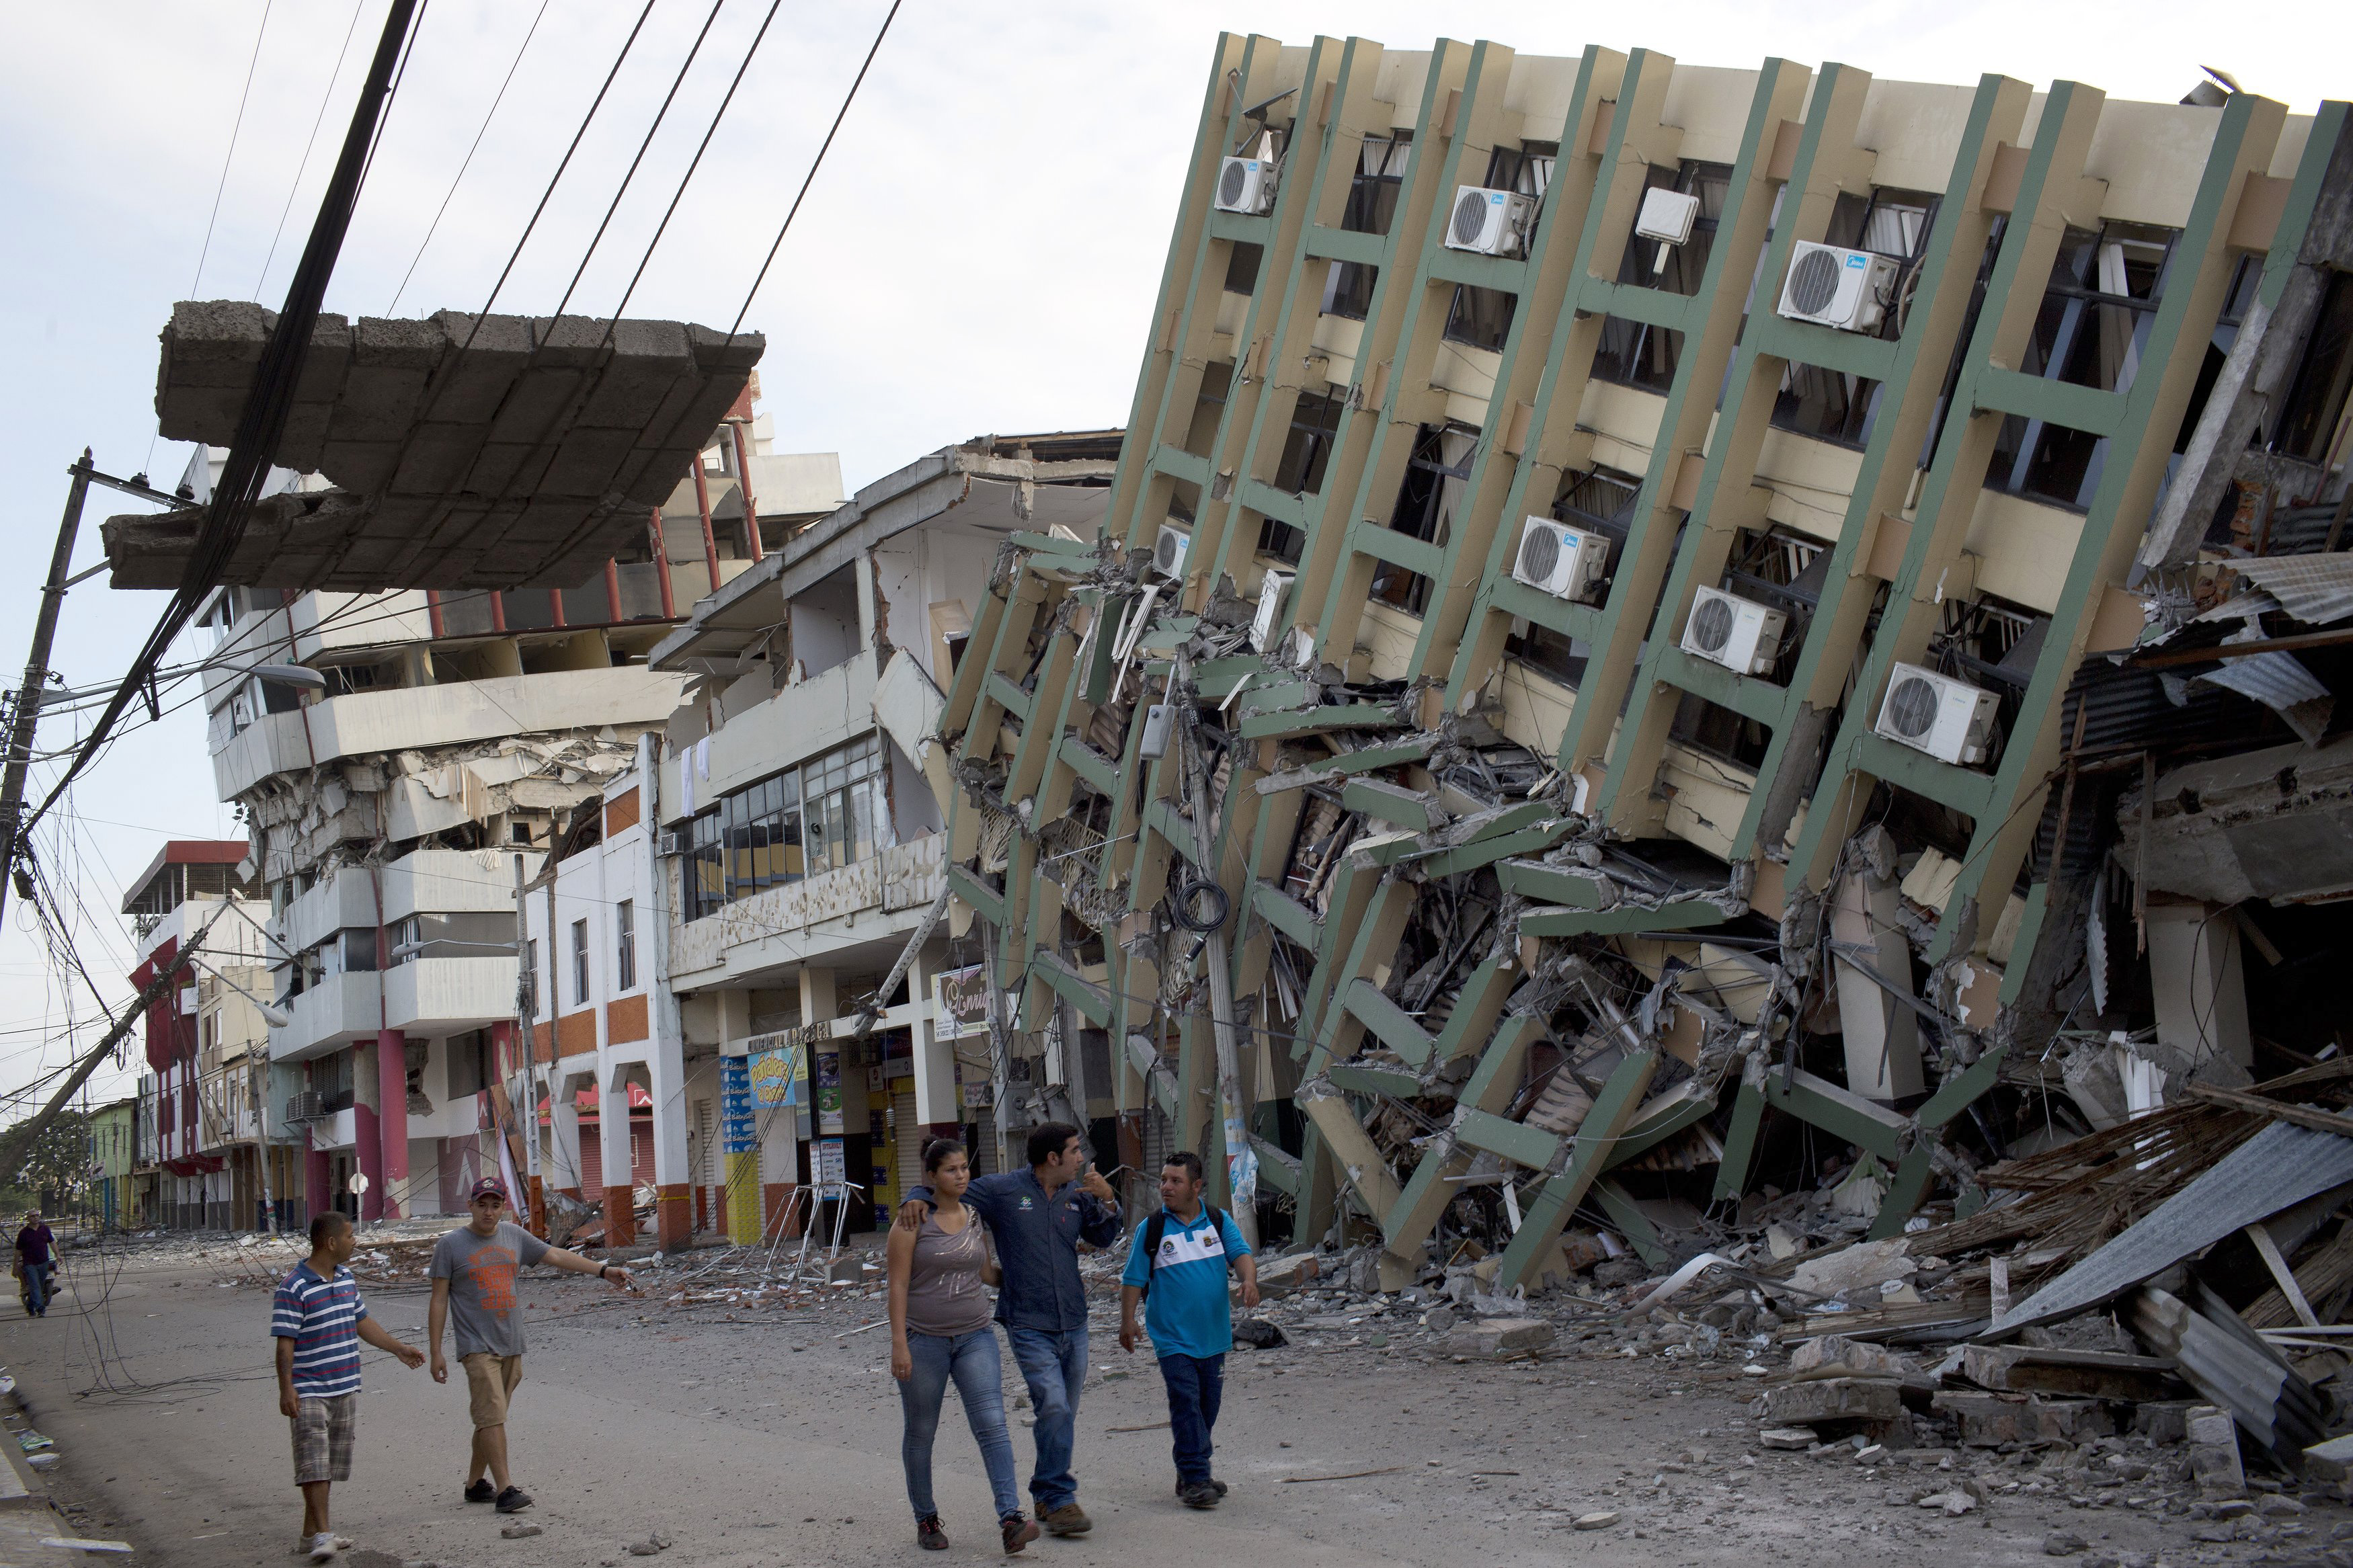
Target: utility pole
1242,1160
26,714
524,978
254,1075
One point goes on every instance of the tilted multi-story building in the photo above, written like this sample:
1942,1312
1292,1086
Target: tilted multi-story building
705,941
1639,599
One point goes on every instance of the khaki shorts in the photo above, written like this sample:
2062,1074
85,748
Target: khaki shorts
323,1433
490,1382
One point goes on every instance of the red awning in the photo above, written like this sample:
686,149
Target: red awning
583,1101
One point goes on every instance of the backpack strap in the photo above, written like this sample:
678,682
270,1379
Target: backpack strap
1154,1229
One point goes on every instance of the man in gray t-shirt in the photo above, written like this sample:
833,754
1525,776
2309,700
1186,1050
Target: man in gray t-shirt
473,1272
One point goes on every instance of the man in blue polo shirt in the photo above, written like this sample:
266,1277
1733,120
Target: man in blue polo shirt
1176,1268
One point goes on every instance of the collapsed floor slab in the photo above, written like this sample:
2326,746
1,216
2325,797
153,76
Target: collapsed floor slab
466,452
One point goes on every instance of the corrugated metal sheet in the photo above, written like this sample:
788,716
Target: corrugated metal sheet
2275,680
2278,1168
2317,589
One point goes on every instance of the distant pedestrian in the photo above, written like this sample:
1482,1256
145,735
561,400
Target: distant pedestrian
1038,1218
37,1259
319,1321
473,1273
940,1329
1176,1268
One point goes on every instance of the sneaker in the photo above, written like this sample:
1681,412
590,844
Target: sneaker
1197,1494
322,1547
1213,1483
930,1534
1019,1531
1066,1520
481,1491
514,1499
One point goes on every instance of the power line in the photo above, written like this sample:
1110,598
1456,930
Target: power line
668,98
302,168
815,164
470,151
262,421
695,163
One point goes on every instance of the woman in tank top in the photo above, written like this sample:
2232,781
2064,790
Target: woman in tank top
940,1329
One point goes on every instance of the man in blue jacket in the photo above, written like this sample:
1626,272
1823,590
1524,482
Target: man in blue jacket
1037,1218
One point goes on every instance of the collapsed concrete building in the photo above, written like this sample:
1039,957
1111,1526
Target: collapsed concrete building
476,533
1672,637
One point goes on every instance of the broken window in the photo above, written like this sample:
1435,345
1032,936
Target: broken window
847,815
825,623
1827,405
1372,204
1432,489
1679,268
2315,399
1208,407
625,945
1307,449
1242,266
2096,314
1890,223
1635,353
580,963
1526,169
1480,318
1993,645
1719,732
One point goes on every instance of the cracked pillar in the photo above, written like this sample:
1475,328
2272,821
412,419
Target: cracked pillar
392,1123
617,1158
674,1173
1883,1036
839,1107
367,1135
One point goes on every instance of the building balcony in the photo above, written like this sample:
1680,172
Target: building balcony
432,998
329,1015
900,880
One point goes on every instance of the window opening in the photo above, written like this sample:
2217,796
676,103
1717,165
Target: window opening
1372,202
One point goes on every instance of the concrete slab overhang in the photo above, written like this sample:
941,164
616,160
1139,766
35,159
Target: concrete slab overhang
958,487
518,452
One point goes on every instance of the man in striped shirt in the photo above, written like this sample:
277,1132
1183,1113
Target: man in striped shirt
319,1321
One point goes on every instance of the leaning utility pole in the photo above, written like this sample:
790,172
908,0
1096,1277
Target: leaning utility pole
24,1134
26,714
1242,1159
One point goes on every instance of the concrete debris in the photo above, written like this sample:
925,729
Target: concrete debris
1796,1439
519,1530
491,452
1833,1399
1489,1337
1601,1520
2214,1462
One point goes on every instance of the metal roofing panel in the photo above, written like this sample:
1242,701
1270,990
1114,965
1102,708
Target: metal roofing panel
2277,1168
2317,589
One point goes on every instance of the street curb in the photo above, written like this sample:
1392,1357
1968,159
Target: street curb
15,1414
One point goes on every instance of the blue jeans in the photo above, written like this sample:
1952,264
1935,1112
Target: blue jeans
1196,1386
972,1359
1055,1367
36,1288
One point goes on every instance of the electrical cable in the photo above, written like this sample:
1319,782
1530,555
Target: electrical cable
267,405
303,167
429,230
815,164
631,173
692,164
228,158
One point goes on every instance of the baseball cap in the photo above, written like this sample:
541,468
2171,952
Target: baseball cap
489,1186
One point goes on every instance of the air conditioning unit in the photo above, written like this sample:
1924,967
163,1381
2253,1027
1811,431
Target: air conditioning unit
1168,555
308,1106
670,846
1835,287
1246,185
1735,633
1950,720
1566,562
240,710
1493,223
1270,589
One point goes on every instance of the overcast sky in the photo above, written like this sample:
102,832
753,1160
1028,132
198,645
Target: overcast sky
979,254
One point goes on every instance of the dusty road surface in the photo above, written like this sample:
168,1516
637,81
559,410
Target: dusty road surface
752,1435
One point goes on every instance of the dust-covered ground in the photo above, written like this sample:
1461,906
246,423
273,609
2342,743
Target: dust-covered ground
760,1426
